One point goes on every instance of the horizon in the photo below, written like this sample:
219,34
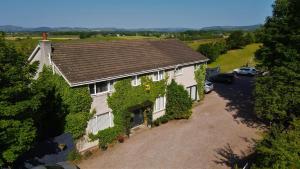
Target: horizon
135,14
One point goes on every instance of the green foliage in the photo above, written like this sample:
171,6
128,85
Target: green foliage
74,155
179,103
212,50
235,40
277,94
200,74
73,108
17,131
280,149
106,136
127,96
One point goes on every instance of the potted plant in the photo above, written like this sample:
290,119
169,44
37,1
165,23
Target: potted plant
121,138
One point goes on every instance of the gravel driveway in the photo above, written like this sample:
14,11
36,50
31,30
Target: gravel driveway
221,130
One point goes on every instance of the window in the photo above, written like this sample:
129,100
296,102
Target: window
135,81
100,122
157,76
160,104
100,87
178,71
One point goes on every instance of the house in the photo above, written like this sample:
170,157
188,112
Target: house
99,65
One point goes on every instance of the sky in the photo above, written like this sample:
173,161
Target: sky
134,13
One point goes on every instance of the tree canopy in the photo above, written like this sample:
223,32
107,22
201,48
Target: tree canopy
17,131
277,94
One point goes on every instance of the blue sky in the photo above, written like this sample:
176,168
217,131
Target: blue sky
134,13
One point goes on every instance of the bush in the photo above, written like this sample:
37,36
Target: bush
76,124
156,122
74,155
213,50
105,136
179,103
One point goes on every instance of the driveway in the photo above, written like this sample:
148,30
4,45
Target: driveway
220,131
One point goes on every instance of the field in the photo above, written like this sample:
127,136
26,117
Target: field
196,43
236,58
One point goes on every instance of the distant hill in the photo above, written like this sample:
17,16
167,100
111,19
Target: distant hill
231,28
12,28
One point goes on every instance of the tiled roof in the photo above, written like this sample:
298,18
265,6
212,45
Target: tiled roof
84,62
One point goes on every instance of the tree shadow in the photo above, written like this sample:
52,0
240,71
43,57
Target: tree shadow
226,156
240,100
47,152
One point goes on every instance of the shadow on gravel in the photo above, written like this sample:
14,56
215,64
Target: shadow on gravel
240,99
226,156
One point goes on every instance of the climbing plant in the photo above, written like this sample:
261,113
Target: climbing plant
123,99
179,103
200,74
63,107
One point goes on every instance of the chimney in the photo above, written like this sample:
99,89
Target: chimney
45,48
45,35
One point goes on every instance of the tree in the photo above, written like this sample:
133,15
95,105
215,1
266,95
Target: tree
17,131
179,103
280,149
277,94
213,50
249,38
235,40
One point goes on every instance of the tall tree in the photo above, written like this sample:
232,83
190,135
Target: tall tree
235,40
17,131
278,93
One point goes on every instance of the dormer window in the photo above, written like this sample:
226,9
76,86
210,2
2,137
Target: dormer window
157,76
99,87
136,80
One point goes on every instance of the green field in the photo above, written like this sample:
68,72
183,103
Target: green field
236,58
196,43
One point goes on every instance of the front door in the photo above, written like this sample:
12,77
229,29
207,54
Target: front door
137,118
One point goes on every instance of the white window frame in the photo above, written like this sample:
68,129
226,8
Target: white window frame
160,75
109,88
158,106
136,81
178,71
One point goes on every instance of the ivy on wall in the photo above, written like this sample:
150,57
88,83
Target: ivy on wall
127,97
71,110
200,74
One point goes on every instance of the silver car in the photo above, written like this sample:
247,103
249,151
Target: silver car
245,71
208,86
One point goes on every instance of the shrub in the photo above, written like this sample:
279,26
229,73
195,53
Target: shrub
105,136
76,124
179,103
213,50
156,122
74,155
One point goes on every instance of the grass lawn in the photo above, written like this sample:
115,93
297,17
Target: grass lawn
196,43
236,58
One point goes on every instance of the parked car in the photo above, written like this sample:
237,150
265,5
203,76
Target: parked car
60,165
245,71
208,86
223,78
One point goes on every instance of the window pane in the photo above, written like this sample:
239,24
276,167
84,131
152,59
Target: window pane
92,88
101,87
155,76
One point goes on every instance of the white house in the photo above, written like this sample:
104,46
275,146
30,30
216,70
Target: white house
100,64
